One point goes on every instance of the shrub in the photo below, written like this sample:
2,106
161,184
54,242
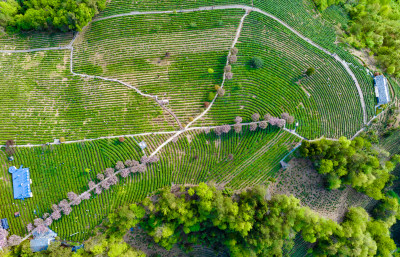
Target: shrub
206,104
210,70
62,139
217,87
256,62
191,119
310,71
211,96
121,139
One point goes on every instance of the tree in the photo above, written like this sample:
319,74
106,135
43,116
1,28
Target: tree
48,222
119,166
263,124
228,68
125,173
210,70
232,59
98,190
62,139
221,92
3,238
206,104
100,176
110,171
14,240
144,159
256,62
267,117
255,117
85,196
237,127
310,71
91,184
234,51
229,75
121,139
56,215
211,96
238,119
253,126
218,130
289,119
225,128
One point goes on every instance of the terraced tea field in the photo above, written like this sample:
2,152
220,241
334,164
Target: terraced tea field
111,79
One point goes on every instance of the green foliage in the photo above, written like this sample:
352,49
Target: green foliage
256,62
61,15
310,71
211,96
354,162
323,4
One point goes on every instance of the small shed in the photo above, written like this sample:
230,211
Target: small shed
381,90
142,145
41,242
4,224
284,165
21,182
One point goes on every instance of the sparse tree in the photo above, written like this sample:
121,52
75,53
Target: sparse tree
289,119
267,117
38,221
55,207
207,130
124,173
142,168
133,169
105,184
48,222
110,171
85,196
226,129
218,130
229,75
113,180
228,68
144,159
100,176
3,238
253,126
98,190
234,51
41,229
237,127
238,119
72,196
128,163
119,165
255,117
91,184
281,123
14,240
29,227
153,159
221,92
232,59
263,124
56,215
206,104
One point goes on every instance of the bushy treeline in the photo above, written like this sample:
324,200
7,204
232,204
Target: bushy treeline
375,24
249,224
353,162
64,15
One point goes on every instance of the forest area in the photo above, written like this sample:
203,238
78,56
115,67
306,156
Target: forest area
374,25
62,15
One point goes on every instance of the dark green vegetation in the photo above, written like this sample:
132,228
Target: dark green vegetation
248,224
61,15
196,157
356,162
375,24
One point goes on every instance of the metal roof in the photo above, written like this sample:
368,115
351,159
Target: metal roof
21,182
381,90
41,241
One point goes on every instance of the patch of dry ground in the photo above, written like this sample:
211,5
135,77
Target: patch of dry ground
365,57
306,184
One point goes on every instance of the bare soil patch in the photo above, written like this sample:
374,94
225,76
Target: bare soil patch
305,183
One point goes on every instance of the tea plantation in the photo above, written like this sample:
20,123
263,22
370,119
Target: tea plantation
155,71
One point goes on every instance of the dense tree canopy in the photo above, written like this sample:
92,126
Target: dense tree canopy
64,15
357,163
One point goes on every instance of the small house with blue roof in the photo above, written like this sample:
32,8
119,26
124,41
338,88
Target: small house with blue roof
21,182
381,90
41,241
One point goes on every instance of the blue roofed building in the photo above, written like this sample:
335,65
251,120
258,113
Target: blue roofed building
41,242
21,182
381,90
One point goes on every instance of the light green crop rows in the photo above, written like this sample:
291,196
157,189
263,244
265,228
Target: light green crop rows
40,100
195,157
327,103
133,49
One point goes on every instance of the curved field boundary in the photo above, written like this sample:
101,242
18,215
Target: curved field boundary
208,8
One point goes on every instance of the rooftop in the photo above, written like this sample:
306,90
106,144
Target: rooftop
381,90
21,182
41,241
